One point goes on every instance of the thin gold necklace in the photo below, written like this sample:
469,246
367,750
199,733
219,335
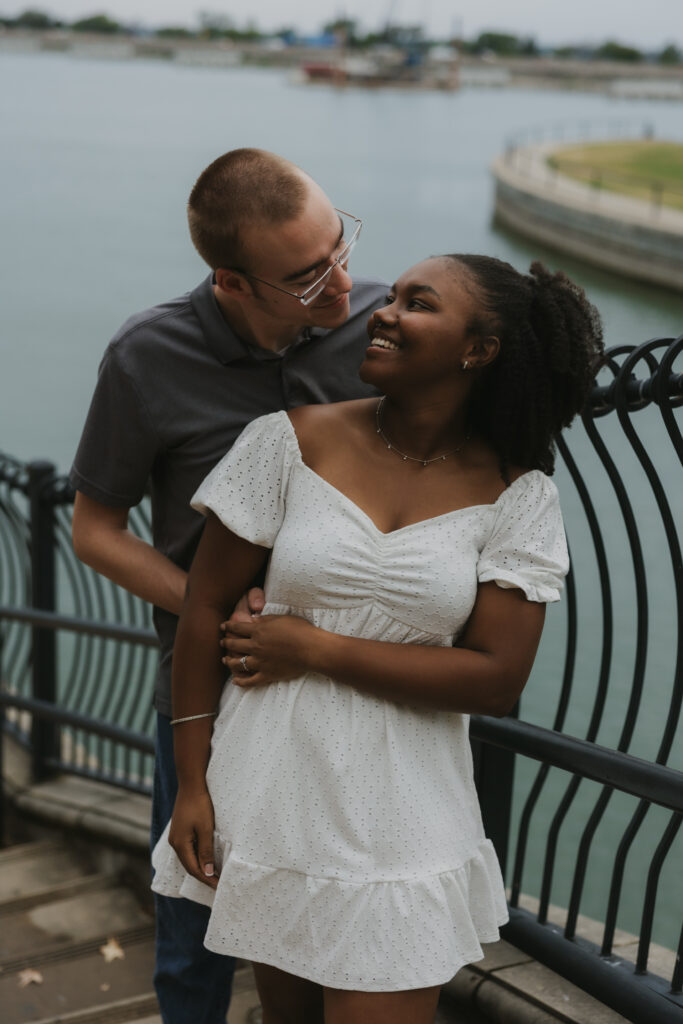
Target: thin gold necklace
411,458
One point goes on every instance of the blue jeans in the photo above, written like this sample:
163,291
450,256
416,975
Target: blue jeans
193,985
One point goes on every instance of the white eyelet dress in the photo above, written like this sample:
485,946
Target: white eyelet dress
348,831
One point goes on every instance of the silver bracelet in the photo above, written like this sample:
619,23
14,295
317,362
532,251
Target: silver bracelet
192,718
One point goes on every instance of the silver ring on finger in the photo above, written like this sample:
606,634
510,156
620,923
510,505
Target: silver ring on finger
243,664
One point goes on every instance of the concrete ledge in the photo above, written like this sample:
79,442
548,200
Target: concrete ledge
509,987
618,233
70,802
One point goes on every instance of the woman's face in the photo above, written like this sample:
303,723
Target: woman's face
420,335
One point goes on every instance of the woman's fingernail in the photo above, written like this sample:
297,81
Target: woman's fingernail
208,870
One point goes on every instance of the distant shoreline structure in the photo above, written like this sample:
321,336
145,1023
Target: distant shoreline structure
635,238
628,81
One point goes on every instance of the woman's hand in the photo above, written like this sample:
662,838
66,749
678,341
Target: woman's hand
191,834
276,649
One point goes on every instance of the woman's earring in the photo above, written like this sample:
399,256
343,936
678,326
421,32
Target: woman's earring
466,364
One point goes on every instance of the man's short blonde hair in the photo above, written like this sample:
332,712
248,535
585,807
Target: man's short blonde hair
244,186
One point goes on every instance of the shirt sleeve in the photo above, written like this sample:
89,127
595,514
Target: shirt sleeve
527,547
118,444
247,489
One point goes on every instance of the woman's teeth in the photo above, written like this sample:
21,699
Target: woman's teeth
383,343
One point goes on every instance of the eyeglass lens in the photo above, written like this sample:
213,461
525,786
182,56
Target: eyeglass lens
317,287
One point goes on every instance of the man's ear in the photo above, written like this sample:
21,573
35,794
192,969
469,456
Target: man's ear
234,284
482,351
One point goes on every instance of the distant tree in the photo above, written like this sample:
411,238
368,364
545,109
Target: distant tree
564,52
251,33
611,50
467,45
670,55
97,23
174,32
287,34
346,28
527,47
220,26
501,43
33,19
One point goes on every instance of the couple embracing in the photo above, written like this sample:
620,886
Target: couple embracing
388,459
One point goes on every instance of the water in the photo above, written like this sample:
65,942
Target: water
96,164
98,159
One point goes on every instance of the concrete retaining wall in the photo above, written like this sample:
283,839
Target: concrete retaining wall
632,237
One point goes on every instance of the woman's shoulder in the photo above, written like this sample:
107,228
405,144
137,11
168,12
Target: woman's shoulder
529,492
313,416
319,427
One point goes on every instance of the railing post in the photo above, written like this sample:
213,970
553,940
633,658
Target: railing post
2,744
44,734
494,771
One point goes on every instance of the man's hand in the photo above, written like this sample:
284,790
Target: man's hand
249,604
191,835
276,648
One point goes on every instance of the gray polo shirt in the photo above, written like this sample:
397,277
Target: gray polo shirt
175,388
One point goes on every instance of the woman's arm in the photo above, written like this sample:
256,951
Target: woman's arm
223,567
484,674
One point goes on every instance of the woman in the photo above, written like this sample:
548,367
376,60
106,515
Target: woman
335,829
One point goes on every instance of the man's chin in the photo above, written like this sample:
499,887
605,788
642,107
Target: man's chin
332,313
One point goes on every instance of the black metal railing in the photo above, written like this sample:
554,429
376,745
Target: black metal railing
620,689
70,641
582,791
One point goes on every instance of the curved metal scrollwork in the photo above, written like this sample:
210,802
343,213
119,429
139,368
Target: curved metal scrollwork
622,490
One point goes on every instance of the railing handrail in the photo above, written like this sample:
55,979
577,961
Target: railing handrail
630,774
56,713
73,624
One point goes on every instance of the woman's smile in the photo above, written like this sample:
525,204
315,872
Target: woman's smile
381,341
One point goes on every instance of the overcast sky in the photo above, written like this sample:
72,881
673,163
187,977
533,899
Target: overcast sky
647,25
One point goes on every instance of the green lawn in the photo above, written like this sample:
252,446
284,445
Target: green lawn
647,169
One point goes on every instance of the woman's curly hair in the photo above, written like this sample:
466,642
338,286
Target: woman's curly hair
550,348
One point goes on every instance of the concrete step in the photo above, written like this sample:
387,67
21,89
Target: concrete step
31,869
39,933
83,987
244,1005
57,893
135,1009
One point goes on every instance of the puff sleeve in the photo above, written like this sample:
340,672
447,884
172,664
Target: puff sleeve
247,488
527,547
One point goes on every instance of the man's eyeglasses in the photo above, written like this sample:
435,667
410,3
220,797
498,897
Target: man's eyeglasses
340,258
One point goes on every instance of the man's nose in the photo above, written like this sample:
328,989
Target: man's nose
339,280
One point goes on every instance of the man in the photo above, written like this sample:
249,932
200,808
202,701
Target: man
276,325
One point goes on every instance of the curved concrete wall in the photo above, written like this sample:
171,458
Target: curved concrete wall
629,236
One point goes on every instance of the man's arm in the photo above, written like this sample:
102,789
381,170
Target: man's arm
101,539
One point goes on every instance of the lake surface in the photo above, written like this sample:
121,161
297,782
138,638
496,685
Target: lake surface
98,159
96,164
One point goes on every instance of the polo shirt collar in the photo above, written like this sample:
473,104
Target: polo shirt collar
226,346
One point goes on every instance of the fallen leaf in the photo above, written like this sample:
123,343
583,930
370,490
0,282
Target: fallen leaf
112,951
30,977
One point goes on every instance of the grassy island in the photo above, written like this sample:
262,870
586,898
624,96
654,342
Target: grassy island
646,168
